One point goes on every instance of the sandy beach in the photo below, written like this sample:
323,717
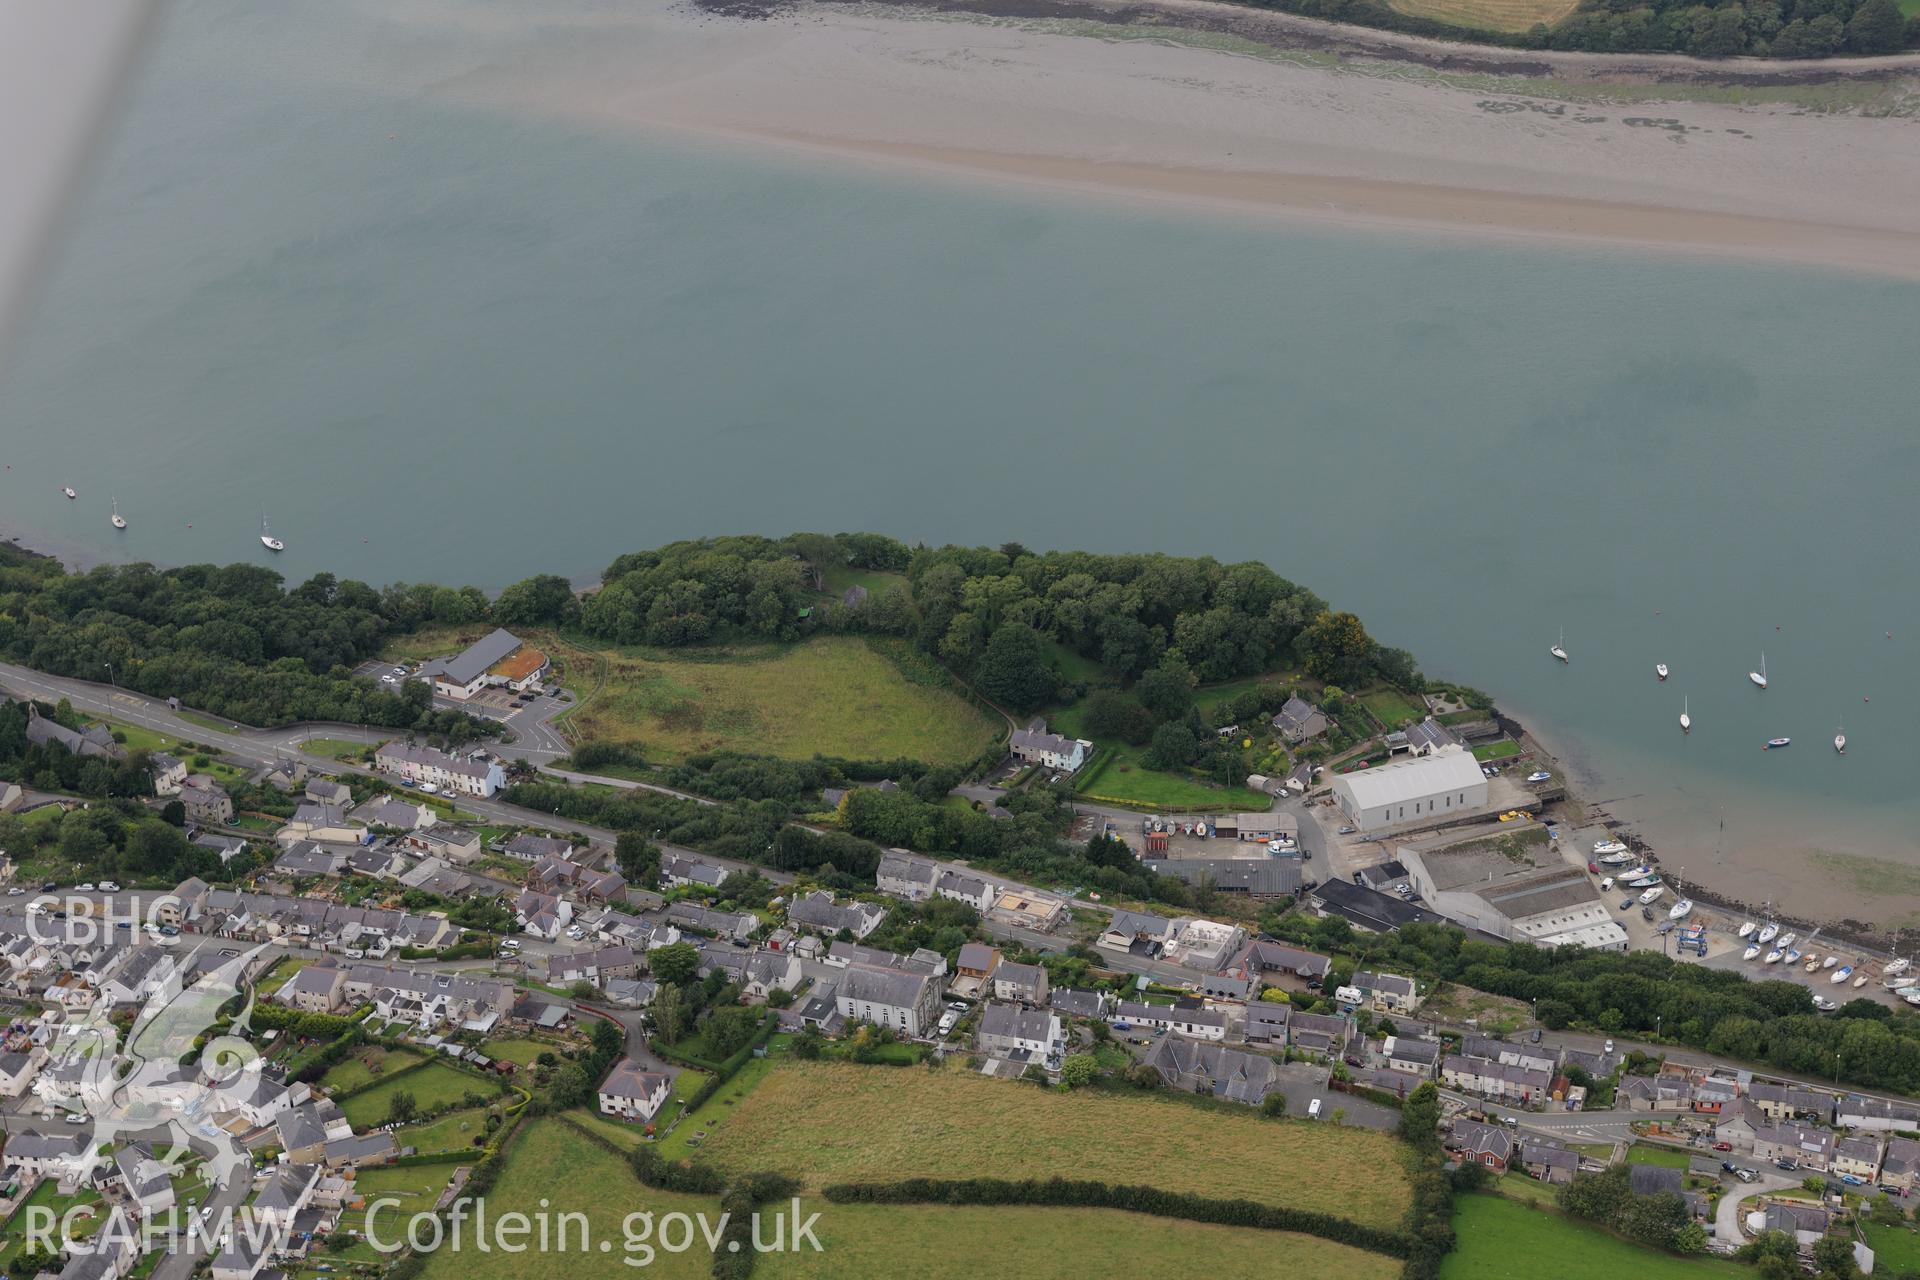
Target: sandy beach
1125,113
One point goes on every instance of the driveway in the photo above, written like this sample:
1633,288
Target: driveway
1727,1225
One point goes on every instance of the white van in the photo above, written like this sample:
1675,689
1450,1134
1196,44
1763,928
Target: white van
1606,885
1313,1109
431,788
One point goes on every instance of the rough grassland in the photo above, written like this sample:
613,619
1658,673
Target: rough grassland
1504,1240
550,1162
365,1065
833,695
1488,15
826,1122
932,1242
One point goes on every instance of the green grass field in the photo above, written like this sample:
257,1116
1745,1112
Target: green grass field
13,1241
832,695
366,1065
1126,781
1496,750
1488,15
335,748
521,1052
281,974
549,1162
454,1131
433,1085
1896,1250
932,1242
416,1187
1504,1240
957,1124
716,1111
1393,708
877,581
1662,1156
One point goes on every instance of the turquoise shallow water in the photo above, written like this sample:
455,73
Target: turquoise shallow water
452,345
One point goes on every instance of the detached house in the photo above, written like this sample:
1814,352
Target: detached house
907,1002
206,802
819,913
631,1093
169,774
1299,721
679,871
1387,992
1023,1035
1490,1145
1419,1057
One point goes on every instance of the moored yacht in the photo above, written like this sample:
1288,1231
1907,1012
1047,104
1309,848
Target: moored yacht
1660,669
1686,720
1760,677
1559,649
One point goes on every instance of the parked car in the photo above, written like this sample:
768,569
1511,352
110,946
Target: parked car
1593,868
1607,1047
1853,1180
1313,1109
1785,1163
1534,1038
84,888
1345,831
15,892
1745,1175
1723,1146
1728,1166
1626,903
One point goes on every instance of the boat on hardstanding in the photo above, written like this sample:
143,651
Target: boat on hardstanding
1859,980
1788,940
1829,962
1760,677
1841,974
1681,909
1773,956
1768,932
1753,949
1746,928
1900,965
1793,956
1615,858
1641,882
1911,997
1609,846
1651,894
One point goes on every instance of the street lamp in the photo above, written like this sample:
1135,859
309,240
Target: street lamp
109,667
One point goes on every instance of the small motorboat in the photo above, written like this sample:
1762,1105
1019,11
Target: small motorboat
1859,981
1652,894
1840,740
1660,669
1760,677
1896,967
1793,956
1768,931
1911,996
1829,962
1641,882
1753,949
68,490
1681,909
1559,649
1813,963
1773,956
1608,846
119,521
1841,974
1686,721
1540,775
1746,928
1777,742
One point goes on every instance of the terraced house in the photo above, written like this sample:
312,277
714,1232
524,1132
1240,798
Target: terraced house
475,774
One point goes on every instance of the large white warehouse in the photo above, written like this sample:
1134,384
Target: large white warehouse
1408,790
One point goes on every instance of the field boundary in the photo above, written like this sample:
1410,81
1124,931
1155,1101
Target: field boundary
1069,1193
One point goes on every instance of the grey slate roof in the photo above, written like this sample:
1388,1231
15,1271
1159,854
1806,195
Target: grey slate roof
471,663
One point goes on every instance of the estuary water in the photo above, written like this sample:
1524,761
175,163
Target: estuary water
436,343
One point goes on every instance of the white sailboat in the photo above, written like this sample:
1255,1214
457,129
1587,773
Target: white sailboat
1760,677
1686,721
1559,649
1615,858
1767,933
1660,669
1787,941
119,521
1840,740
1897,967
1746,927
1609,847
267,539
1773,956
1793,955
1753,949
1681,909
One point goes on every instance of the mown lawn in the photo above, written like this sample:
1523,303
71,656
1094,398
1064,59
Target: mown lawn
1126,781
47,1196
433,1085
520,1052
933,1242
281,974
416,1187
1661,1156
1504,1240
336,748
801,1120
831,695
1496,750
716,1111
454,1131
548,1162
